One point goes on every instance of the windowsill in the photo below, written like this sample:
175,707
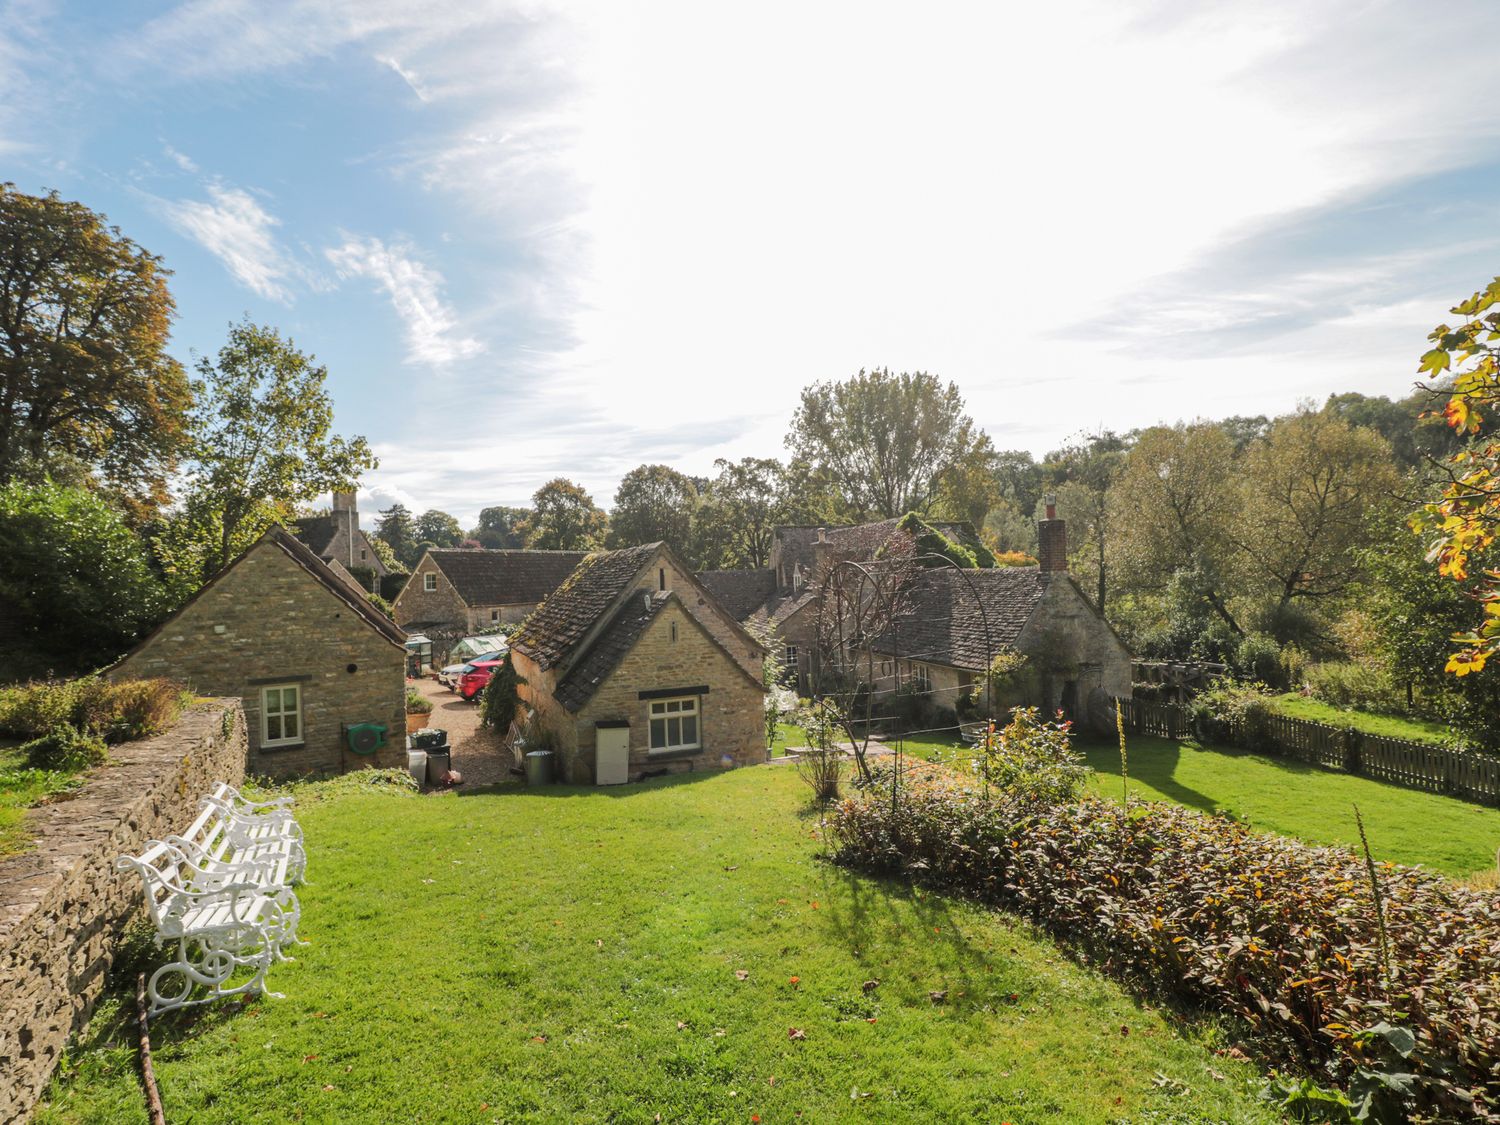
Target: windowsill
667,755
275,746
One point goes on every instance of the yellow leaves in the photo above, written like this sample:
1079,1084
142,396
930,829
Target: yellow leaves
1434,361
1468,660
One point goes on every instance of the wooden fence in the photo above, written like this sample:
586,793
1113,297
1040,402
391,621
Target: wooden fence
1414,765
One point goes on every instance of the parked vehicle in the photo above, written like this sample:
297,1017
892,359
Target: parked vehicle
451,672
477,678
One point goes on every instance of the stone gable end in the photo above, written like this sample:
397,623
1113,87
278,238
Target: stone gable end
267,621
415,606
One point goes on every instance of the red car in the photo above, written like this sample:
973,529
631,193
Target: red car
476,678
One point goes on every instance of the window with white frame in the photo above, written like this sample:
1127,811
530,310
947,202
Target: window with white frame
280,715
789,657
429,583
920,676
674,724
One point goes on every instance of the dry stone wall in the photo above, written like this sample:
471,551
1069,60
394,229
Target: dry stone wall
62,903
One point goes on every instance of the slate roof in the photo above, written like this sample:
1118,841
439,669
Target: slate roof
740,592
317,532
483,577
943,623
569,611
574,690
860,541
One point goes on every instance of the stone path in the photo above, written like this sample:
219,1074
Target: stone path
477,753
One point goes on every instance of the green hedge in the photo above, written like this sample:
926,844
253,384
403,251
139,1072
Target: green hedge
1200,909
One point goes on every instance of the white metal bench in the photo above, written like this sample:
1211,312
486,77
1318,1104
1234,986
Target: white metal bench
222,892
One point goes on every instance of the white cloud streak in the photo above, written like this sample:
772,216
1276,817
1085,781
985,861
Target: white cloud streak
233,226
415,291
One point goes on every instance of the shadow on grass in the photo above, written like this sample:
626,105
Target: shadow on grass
1153,761
519,791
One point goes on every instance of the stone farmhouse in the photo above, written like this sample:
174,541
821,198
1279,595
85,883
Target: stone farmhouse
456,592
635,669
952,623
321,672
338,540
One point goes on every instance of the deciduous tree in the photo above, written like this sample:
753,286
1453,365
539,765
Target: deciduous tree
500,527
565,518
736,522
439,528
84,373
653,503
398,531
885,439
262,440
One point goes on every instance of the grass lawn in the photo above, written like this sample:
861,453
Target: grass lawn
1392,726
787,734
575,955
1295,799
20,788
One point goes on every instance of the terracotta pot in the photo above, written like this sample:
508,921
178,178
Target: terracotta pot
416,720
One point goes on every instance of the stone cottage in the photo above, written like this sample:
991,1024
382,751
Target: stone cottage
338,540
954,621
305,651
637,670
458,592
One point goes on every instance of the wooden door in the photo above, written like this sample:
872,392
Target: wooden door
611,755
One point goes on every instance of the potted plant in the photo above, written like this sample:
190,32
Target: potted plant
418,710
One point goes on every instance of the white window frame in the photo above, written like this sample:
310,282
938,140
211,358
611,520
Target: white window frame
789,657
429,583
921,676
668,711
281,714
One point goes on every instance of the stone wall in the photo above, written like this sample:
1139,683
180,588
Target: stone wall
266,622
416,606
62,903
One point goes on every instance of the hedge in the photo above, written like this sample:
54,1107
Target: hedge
1201,910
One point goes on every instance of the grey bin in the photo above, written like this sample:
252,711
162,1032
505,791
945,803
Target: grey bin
438,763
539,767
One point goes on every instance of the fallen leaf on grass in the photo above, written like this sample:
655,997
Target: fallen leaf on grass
794,981
308,1058
539,1039
870,985
736,867
1124,1029
429,881
327,1088
938,995
599,943
742,974
795,1033
855,1093
681,1026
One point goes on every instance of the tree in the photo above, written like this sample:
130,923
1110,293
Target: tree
398,531
84,374
1085,473
386,556
439,529
1173,505
810,496
564,518
736,522
261,442
885,439
968,489
653,503
1305,490
500,527
77,578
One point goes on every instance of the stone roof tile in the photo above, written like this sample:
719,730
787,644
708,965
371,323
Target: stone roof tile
483,577
569,611
943,622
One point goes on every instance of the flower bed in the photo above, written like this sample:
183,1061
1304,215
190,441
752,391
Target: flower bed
1279,934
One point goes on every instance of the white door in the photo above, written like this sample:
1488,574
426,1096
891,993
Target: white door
611,755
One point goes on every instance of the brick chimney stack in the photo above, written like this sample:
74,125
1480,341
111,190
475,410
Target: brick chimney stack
346,511
1052,540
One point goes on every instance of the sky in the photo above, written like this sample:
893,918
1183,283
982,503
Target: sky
543,239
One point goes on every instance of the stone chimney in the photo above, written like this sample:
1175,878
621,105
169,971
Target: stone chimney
1052,540
346,511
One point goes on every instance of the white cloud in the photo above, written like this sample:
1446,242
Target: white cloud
410,77
415,291
235,228
181,159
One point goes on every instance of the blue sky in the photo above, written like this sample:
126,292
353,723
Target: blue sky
532,239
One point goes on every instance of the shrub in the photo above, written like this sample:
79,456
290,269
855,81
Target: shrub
1033,759
117,712
821,766
1258,657
1233,712
65,750
417,703
1365,686
1202,910
501,702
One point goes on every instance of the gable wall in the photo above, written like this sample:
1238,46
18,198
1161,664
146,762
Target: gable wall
731,713
413,604
1066,630
281,625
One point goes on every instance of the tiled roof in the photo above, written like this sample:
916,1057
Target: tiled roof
574,690
741,592
567,613
504,577
943,623
860,541
316,531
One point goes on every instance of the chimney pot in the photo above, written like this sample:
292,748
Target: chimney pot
1050,501
822,535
